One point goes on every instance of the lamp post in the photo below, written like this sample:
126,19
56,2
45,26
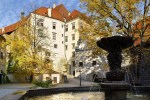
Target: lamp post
79,68
78,49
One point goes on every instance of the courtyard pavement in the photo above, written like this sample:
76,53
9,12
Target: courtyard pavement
7,90
74,82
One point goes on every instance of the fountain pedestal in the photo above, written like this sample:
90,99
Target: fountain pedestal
115,90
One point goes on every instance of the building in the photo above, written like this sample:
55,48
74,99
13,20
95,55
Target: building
62,28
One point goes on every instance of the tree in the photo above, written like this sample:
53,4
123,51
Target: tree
27,45
125,13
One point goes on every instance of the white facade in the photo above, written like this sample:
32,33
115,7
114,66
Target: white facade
58,46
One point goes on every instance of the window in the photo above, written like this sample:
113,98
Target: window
39,47
2,56
62,35
66,38
62,26
73,25
73,63
81,25
73,45
73,36
47,53
94,63
54,25
66,28
80,64
54,36
66,47
62,42
40,22
55,45
40,32
73,54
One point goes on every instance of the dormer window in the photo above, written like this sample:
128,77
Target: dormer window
40,22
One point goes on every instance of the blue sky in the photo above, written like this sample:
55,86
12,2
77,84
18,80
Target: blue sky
10,9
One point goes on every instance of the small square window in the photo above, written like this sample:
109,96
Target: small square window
66,28
39,22
66,47
54,25
81,25
55,45
73,45
73,63
66,38
80,64
40,32
94,63
73,25
73,36
54,36
73,54
47,53
2,56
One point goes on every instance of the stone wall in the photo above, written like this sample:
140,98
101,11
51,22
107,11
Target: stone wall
144,67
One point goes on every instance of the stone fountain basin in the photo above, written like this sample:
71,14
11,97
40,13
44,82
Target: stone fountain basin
115,43
102,88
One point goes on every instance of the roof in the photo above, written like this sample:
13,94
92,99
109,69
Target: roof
11,28
59,13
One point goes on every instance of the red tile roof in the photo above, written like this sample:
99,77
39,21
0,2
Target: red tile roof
59,13
11,28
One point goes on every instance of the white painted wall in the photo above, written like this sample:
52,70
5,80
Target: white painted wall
69,34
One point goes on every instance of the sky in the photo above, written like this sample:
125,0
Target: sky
10,9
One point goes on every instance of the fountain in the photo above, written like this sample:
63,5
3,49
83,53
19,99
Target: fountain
116,88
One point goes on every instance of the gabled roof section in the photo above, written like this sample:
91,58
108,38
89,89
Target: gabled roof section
58,13
13,27
74,15
61,9
43,11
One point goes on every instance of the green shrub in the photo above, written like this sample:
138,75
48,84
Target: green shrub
44,84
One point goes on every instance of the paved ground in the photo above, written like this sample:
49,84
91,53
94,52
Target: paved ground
7,90
73,82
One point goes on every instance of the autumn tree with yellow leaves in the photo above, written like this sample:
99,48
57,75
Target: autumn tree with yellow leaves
103,13
27,46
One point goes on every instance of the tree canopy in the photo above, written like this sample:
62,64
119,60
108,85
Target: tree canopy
105,14
26,50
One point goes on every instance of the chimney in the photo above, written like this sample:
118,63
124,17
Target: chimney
69,13
3,30
54,5
49,12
